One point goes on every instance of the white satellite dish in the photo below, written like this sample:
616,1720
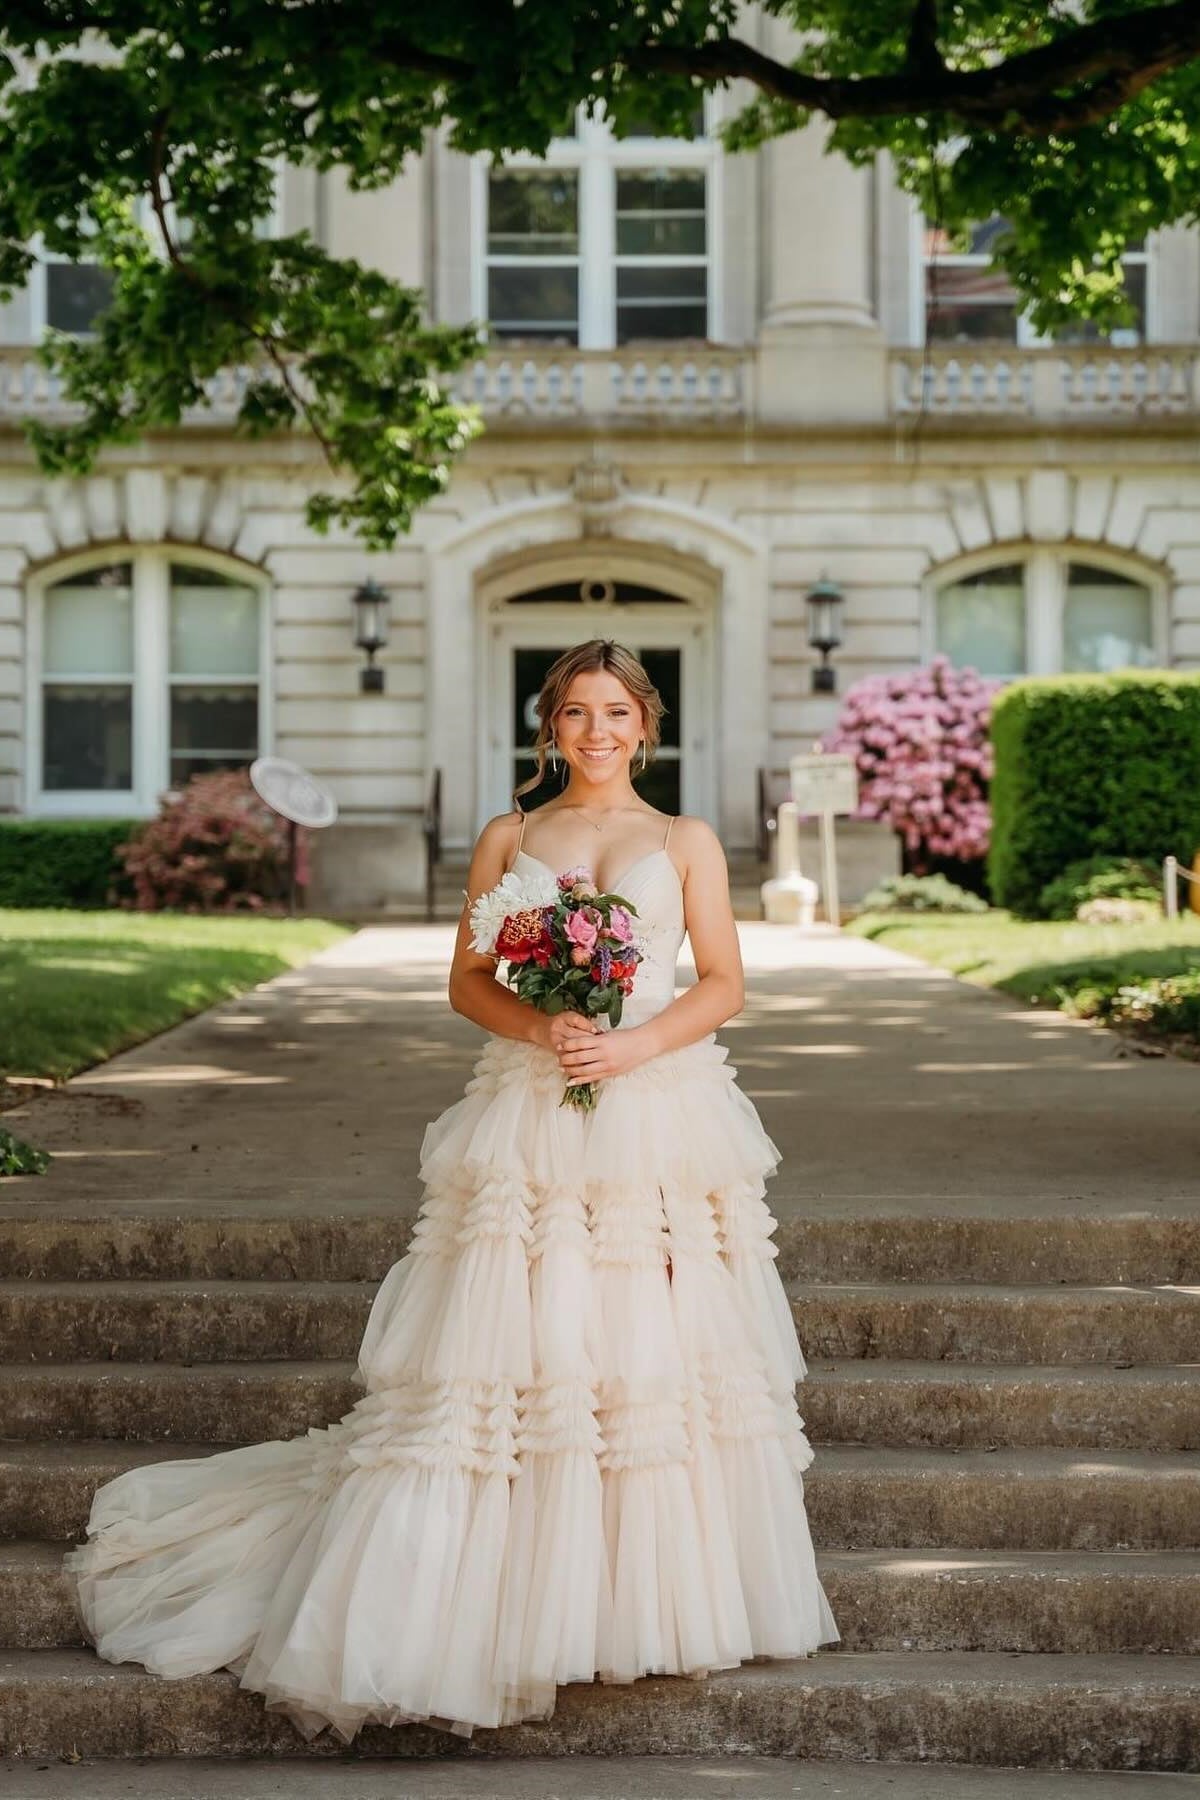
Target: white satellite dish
297,797
293,792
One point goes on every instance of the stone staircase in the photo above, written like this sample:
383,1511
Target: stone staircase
1006,1496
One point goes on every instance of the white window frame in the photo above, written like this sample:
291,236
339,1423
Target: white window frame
152,682
1045,573
597,155
1123,337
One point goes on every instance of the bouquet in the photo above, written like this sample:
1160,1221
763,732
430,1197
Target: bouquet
567,946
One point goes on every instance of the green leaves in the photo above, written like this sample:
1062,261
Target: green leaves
152,142
18,1158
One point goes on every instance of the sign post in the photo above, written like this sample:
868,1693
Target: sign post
297,797
826,785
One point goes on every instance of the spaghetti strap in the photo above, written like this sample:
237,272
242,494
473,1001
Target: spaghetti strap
521,837
667,839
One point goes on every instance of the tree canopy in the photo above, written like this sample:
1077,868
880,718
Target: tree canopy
146,134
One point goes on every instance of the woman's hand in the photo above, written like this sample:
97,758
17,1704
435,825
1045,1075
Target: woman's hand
554,1030
593,1055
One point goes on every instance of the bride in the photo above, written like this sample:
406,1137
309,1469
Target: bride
578,1453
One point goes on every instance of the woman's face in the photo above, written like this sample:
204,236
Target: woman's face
598,727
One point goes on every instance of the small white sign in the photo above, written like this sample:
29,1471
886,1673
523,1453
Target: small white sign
825,784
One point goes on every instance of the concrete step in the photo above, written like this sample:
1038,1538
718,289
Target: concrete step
1110,1712
857,1497
182,1321
239,1321
993,1324
572,1778
962,1405
883,1242
954,1405
734,1777
1031,1601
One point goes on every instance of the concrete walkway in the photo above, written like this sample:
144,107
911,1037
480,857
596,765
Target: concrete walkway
891,1089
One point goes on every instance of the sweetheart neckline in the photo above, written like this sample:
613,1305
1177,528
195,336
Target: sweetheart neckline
624,876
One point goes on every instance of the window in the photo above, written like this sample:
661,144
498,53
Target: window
87,675
144,672
981,621
1107,621
533,254
67,295
1047,614
605,241
214,636
968,299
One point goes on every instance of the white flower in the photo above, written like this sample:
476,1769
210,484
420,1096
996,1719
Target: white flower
512,895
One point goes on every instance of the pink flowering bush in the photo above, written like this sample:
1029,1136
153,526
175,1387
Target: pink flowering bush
920,740
214,847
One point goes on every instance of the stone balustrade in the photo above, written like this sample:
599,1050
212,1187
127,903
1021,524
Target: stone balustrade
1052,383
703,383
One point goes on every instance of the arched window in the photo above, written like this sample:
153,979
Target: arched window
147,668
1050,612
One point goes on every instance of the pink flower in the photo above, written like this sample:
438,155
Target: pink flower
570,877
584,890
581,957
620,925
583,928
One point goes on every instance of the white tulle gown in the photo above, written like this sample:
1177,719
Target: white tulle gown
578,1454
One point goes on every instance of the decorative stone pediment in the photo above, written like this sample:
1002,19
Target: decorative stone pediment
597,487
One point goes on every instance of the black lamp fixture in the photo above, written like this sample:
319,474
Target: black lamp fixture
370,632
824,631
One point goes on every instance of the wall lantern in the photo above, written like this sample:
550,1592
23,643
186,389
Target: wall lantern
824,631
370,632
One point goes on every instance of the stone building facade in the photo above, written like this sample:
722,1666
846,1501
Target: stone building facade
713,380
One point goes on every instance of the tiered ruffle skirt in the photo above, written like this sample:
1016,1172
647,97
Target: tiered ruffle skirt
578,1453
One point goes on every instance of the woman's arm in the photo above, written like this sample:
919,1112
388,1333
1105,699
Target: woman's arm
716,996
474,990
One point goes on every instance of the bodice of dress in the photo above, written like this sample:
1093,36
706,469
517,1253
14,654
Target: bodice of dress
652,885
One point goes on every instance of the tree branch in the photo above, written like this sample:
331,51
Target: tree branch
1117,58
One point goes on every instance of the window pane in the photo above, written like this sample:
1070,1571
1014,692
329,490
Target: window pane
1107,622
534,302
660,212
661,302
214,624
964,304
88,625
76,295
981,621
531,213
212,728
1084,331
87,737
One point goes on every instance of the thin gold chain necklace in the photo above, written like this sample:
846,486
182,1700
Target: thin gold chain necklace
573,806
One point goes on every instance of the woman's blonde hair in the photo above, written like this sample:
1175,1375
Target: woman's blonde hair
614,659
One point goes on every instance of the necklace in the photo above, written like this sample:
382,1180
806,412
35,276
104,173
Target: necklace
573,806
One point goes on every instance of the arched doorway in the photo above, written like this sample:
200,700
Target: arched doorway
661,613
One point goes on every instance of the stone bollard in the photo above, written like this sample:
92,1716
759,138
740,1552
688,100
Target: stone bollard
789,897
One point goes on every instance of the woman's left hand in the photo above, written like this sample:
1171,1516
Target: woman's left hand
585,1057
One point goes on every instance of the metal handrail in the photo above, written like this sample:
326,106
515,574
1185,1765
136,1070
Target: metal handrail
431,826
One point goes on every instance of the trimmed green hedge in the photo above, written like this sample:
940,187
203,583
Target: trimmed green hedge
1091,765
60,862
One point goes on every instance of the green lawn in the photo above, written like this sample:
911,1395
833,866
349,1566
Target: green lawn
1143,976
75,987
